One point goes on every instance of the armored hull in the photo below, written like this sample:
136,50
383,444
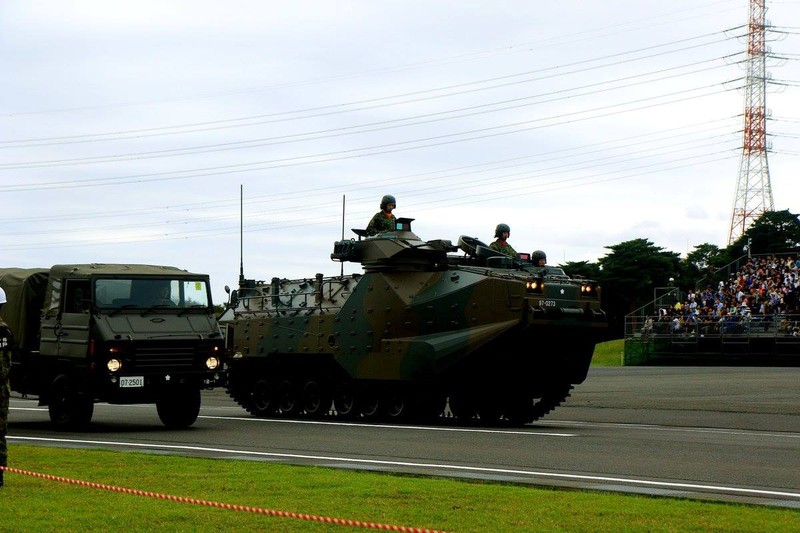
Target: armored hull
423,328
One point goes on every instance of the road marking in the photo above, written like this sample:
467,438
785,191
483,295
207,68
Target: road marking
530,433
683,429
574,423
434,466
392,426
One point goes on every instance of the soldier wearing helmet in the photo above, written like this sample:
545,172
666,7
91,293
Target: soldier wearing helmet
501,233
5,390
383,220
539,258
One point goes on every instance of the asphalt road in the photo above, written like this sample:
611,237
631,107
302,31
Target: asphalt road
702,432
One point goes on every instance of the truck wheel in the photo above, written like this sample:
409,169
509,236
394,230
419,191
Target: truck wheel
68,408
178,407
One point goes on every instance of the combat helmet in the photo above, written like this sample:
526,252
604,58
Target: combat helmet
500,229
537,255
388,199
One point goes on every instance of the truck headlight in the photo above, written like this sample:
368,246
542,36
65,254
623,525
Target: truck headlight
114,365
212,363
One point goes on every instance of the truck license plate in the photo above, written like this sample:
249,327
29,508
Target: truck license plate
131,381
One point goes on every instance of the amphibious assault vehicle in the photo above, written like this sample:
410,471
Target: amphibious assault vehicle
428,330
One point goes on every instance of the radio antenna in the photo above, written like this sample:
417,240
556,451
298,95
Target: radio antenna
241,235
341,272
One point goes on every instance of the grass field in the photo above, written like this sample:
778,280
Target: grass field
33,504
608,353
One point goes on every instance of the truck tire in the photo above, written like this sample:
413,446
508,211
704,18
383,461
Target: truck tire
69,408
178,407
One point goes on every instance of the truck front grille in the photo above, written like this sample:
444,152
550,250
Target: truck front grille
165,357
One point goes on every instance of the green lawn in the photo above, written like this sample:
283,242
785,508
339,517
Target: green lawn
34,504
41,505
608,353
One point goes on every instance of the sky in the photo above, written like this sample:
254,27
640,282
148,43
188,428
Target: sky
204,133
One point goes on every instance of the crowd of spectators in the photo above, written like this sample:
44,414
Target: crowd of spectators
761,296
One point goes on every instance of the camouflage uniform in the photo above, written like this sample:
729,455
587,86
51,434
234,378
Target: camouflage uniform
380,223
5,391
503,247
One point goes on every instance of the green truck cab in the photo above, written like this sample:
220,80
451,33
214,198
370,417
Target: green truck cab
116,333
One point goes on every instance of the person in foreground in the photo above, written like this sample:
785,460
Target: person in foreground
5,390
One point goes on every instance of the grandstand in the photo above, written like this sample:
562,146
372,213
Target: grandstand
750,316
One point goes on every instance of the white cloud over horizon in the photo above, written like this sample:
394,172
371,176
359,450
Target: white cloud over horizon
129,127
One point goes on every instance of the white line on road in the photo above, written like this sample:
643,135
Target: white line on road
530,433
391,426
434,466
683,429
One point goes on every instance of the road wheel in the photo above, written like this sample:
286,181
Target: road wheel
370,402
179,406
262,400
316,399
396,405
288,398
344,401
69,409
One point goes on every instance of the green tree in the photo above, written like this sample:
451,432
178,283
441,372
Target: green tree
582,268
701,264
629,274
773,232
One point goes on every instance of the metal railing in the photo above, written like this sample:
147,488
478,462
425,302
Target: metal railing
777,325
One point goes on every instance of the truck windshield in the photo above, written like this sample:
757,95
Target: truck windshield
151,292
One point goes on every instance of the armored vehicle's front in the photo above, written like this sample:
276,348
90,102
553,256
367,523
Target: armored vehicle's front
497,337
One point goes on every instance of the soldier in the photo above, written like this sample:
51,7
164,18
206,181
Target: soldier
501,233
383,220
539,258
5,391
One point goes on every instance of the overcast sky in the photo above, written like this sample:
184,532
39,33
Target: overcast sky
127,128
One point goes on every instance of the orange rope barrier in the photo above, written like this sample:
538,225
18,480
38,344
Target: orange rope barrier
228,506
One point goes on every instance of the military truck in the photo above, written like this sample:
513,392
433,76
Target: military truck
422,334
116,333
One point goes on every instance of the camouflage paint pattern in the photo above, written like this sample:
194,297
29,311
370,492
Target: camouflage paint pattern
417,315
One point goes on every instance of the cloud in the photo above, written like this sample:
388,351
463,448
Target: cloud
129,127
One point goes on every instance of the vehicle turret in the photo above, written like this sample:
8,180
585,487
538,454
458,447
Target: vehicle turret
393,251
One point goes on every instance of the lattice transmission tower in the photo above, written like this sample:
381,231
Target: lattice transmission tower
753,190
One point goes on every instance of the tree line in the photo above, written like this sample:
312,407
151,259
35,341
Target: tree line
631,270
